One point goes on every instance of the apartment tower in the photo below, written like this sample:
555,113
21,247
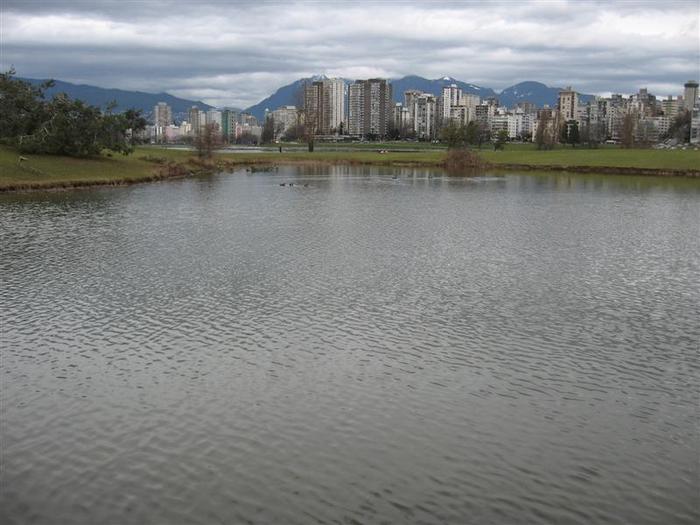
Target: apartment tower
370,109
324,101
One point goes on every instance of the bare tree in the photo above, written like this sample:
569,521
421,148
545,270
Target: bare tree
207,140
307,114
543,135
629,124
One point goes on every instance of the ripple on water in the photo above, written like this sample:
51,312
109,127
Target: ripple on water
423,349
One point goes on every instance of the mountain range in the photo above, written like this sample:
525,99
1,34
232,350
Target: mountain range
101,97
529,91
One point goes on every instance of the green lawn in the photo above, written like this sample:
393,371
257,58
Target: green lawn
612,157
51,170
371,146
359,156
608,156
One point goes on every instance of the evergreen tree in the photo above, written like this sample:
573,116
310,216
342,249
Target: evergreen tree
501,139
471,134
268,131
453,134
573,137
61,126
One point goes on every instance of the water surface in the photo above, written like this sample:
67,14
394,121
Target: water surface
379,346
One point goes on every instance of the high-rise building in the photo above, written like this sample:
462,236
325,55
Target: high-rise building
643,103
616,109
568,104
462,115
402,119
695,125
690,94
370,107
313,107
228,124
670,107
483,113
162,115
214,118
409,98
451,97
162,118
457,106
356,108
470,100
425,116
334,105
595,121
197,121
324,102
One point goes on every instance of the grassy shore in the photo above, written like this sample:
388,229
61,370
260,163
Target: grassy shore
604,157
151,163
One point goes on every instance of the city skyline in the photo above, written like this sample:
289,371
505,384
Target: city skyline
256,48
373,114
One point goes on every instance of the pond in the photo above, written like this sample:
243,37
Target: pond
366,345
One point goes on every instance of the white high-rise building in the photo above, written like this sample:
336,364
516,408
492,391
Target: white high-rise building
334,102
451,97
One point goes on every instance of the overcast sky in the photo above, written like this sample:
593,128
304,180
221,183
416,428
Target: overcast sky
227,53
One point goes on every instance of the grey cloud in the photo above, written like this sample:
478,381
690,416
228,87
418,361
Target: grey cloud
238,53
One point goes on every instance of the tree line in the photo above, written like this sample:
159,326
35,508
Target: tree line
62,126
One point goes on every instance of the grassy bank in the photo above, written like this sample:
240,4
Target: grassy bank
49,171
151,164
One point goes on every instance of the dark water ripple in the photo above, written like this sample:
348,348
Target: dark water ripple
427,349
